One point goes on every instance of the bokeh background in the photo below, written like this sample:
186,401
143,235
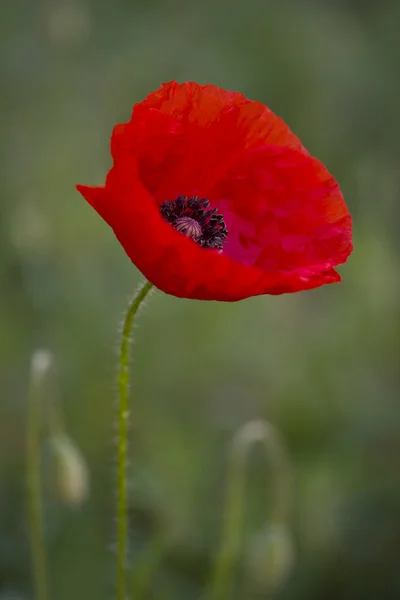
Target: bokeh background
322,366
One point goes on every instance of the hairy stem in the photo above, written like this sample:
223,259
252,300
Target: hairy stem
122,438
40,366
250,434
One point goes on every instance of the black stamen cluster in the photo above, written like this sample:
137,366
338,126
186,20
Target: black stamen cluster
212,224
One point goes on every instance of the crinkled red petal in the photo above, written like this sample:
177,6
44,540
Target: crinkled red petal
185,135
288,224
283,210
176,264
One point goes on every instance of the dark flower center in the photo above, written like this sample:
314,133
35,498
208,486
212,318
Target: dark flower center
193,217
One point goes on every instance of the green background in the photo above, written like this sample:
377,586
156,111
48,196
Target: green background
322,366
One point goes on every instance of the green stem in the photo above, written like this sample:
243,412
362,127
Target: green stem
122,438
244,440
41,363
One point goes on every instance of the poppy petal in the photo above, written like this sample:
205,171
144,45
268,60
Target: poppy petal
97,197
192,132
202,106
282,209
176,264
288,225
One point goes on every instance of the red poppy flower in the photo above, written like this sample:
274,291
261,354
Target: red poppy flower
213,197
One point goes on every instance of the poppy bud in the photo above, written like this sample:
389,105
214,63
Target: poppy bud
41,364
270,556
71,477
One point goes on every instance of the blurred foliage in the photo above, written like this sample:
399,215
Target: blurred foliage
322,365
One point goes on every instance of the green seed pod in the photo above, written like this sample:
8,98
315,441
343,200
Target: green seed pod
41,364
70,473
270,557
